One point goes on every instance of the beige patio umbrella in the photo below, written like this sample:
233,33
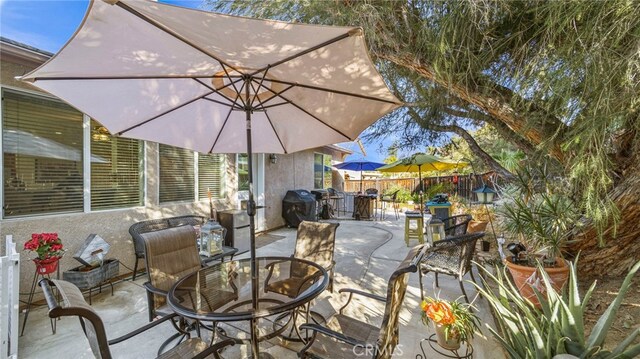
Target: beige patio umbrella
217,83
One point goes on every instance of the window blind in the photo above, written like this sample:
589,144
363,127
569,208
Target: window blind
210,175
116,170
242,165
177,181
42,149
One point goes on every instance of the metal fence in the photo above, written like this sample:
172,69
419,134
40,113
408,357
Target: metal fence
462,185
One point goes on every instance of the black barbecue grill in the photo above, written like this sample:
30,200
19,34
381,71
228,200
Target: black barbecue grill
297,206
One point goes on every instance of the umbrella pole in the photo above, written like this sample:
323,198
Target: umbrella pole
251,211
360,181
421,189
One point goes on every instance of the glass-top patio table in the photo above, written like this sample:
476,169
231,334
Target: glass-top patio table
222,292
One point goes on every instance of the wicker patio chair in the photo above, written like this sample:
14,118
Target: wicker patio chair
456,225
346,337
73,304
137,229
451,256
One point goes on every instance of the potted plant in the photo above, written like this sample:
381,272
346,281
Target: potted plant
539,212
557,331
454,322
49,249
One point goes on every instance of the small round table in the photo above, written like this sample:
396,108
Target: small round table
222,292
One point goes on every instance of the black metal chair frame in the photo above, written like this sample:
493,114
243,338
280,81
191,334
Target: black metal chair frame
388,335
389,198
99,334
451,256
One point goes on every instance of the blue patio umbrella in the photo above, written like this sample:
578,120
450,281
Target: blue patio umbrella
359,166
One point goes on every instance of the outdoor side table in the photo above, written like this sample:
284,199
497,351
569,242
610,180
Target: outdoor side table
226,252
410,232
222,292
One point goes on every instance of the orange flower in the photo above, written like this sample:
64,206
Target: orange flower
438,311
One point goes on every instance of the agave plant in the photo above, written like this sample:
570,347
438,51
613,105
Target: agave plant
558,328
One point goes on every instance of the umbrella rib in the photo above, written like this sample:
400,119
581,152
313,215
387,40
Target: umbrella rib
233,83
221,129
163,113
334,91
315,117
311,49
231,102
269,118
172,33
276,96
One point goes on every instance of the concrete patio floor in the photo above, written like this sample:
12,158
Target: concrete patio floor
366,255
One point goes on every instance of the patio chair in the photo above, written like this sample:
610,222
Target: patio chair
137,229
451,256
346,337
456,225
337,200
373,192
315,242
392,199
73,304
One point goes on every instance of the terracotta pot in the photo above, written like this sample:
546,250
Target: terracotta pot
525,278
443,341
46,266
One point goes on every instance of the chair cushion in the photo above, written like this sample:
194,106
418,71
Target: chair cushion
477,226
290,287
185,350
327,347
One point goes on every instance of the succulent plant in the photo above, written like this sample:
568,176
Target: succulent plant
558,327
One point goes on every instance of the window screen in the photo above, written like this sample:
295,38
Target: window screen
210,175
116,170
177,181
42,149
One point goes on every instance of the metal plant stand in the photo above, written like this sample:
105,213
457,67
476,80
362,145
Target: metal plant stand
37,275
465,352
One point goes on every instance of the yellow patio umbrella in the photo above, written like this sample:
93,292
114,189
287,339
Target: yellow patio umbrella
419,162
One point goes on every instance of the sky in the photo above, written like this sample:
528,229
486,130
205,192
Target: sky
48,24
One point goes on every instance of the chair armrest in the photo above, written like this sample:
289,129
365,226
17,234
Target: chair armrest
154,290
362,293
214,349
142,329
359,292
270,267
330,333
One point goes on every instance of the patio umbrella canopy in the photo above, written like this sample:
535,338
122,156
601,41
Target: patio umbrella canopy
419,162
204,81
359,166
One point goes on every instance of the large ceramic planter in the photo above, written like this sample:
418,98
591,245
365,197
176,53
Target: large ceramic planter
526,278
443,341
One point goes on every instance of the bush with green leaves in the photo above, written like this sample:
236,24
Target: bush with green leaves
539,211
527,332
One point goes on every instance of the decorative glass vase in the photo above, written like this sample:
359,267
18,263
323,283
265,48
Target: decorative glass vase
47,265
451,343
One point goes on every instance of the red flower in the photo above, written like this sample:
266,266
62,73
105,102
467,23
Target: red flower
46,245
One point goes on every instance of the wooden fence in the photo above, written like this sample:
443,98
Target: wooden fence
463,185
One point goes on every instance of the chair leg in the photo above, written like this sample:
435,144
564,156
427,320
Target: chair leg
420,274
463,291
135,268
437,285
